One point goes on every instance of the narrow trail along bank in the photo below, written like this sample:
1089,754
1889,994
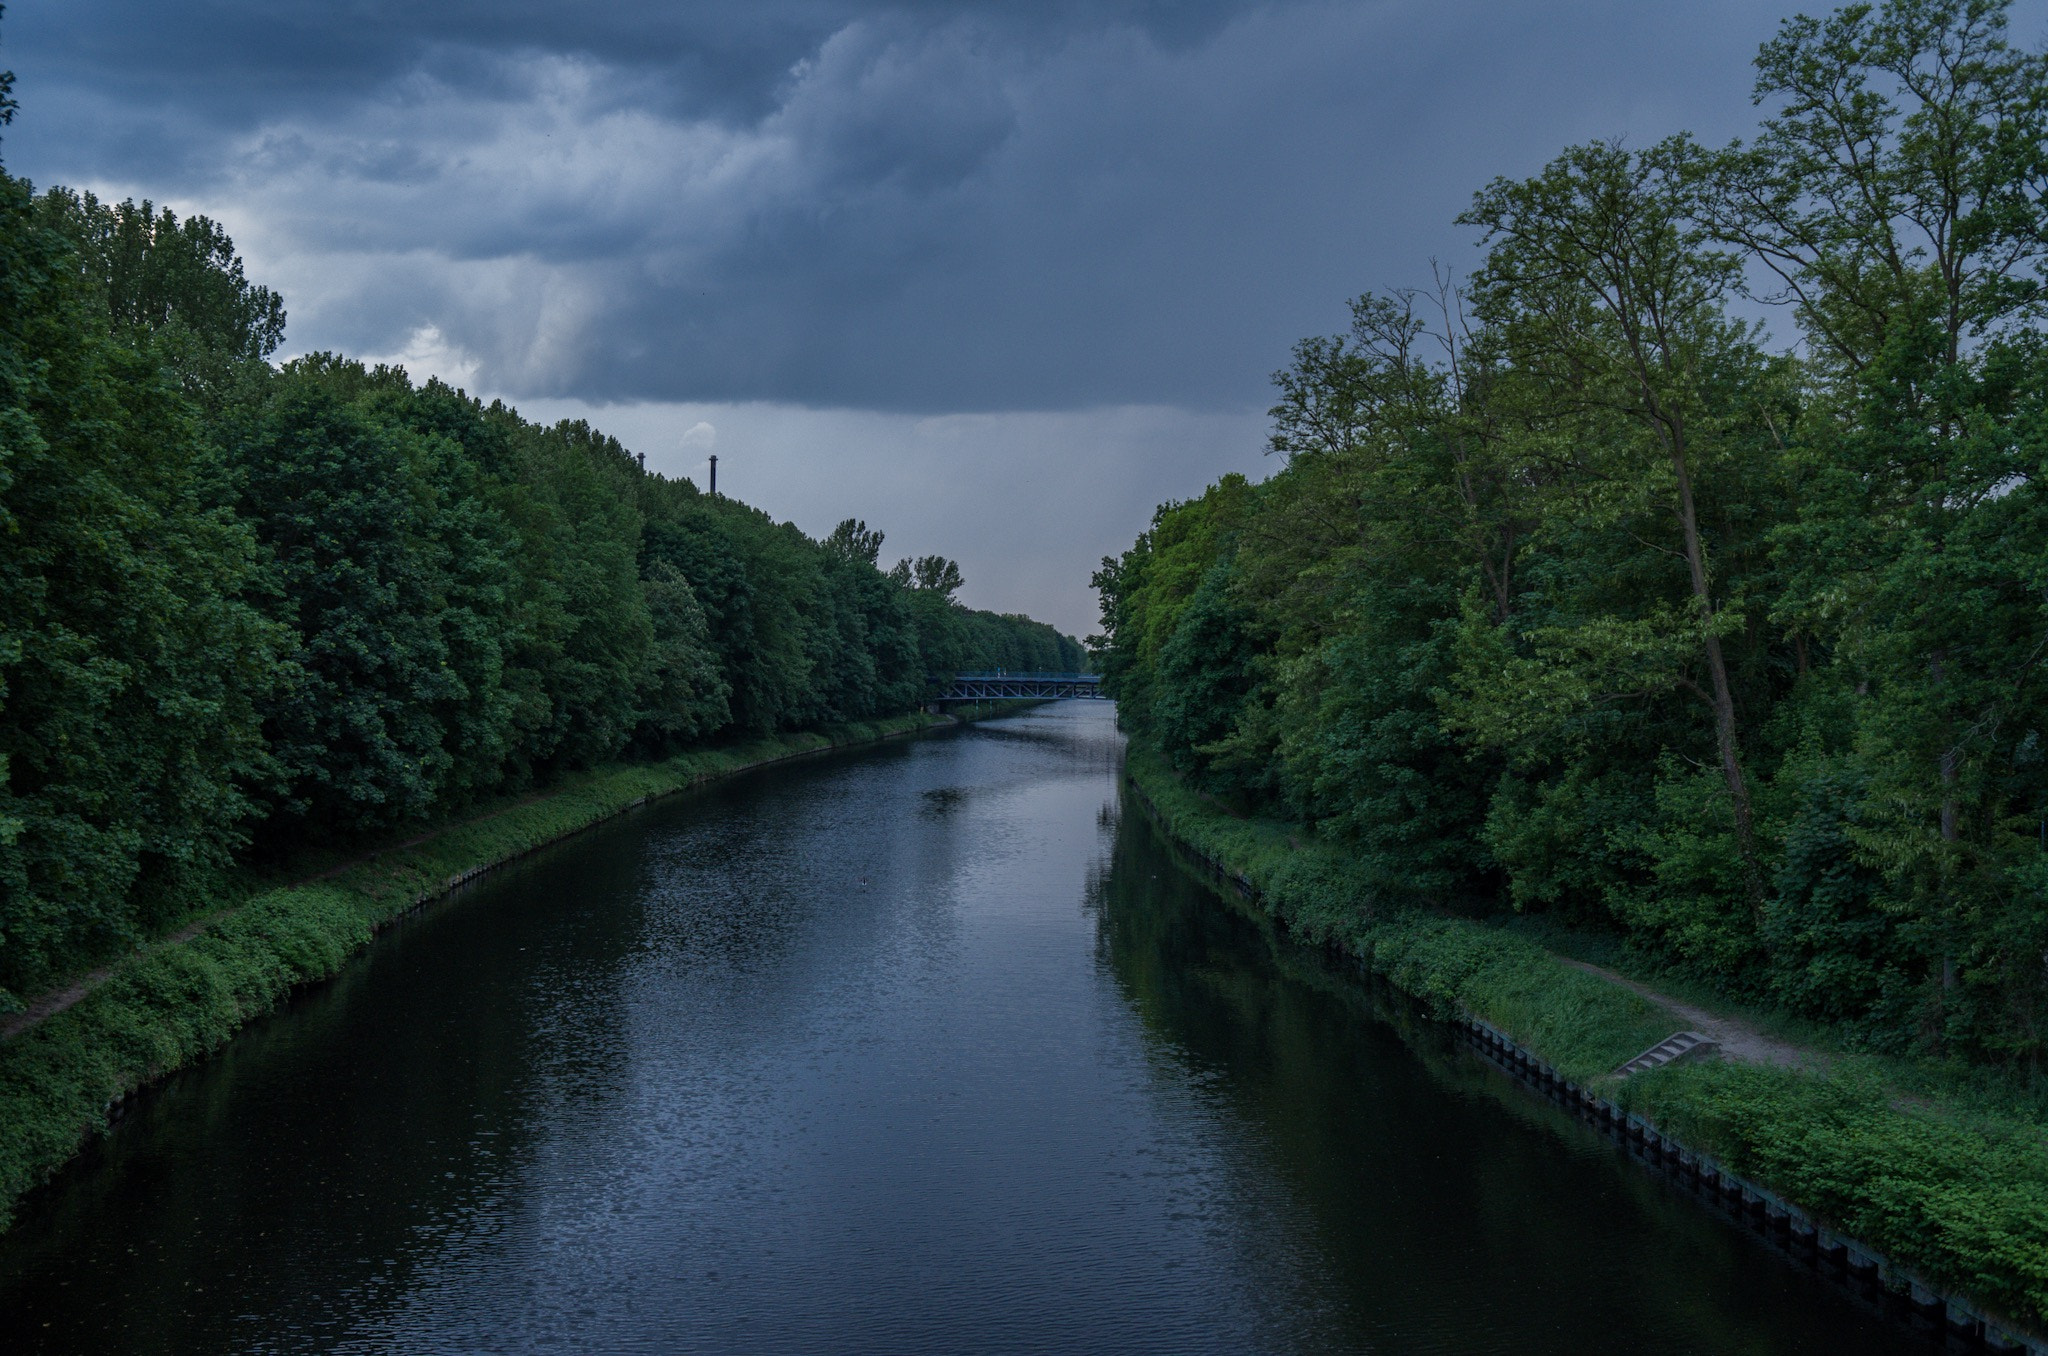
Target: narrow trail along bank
69,1062
1933,1175
57,1000
1739,1040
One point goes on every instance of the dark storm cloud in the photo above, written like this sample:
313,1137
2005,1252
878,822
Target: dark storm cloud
1022,266
912,207
226,64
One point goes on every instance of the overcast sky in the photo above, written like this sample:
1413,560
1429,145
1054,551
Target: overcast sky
997,278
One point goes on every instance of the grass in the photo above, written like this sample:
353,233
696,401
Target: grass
1943,1170
172,1004
2020,1092
1584,1025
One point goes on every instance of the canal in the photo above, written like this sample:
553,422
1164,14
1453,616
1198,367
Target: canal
930,1048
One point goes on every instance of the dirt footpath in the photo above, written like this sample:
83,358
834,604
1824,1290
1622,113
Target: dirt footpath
1738,1039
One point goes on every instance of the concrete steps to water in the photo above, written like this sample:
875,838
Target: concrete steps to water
1676,1048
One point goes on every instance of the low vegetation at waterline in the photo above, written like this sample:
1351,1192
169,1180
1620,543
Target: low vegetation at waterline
1945,1173
248,610
1579,610
1577,598
256,620
162,1008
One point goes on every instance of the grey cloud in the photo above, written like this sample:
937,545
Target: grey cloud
239,62
1093,227
915,207
1027,503
885,107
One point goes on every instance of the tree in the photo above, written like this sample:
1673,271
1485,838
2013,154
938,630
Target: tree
1900,179
934,574
341,501
1599,289
131,667
174,287
683,696
1896,197
852,541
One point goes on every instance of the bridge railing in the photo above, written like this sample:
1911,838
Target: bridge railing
998,686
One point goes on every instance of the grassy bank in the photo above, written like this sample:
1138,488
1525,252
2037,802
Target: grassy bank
1953,1189
172,1003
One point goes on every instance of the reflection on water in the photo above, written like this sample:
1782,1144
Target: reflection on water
931,1048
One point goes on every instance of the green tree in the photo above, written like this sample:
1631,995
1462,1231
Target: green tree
132,670
1602,291
341,501
683,695
1895,196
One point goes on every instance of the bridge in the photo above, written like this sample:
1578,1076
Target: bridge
999,686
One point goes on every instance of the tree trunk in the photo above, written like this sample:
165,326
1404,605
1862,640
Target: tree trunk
1949,815
1726,738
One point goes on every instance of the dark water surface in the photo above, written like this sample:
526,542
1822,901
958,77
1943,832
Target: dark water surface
930,1048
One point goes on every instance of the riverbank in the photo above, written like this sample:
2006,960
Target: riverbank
1950,1190
65,1074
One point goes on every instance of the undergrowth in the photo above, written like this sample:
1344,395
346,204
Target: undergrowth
1951,1187
171,1004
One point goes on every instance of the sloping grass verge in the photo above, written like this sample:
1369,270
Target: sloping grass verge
1584,1025
1956,1194
172,1004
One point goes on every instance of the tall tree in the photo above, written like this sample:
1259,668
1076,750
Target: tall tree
130,667
1600,289
1898,196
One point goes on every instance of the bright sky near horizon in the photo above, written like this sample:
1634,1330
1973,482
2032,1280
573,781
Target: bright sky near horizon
996,278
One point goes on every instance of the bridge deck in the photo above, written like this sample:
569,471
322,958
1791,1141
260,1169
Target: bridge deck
984,687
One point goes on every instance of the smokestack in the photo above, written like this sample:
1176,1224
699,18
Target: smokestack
714,473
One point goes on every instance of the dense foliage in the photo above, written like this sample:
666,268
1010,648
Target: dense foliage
1575,595
1936,1165
170,1005
246,607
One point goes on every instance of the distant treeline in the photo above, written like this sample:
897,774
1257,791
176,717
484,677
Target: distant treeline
1577,596
244,606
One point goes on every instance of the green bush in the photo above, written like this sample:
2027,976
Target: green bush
1960,1198
1955,1192
168,1006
